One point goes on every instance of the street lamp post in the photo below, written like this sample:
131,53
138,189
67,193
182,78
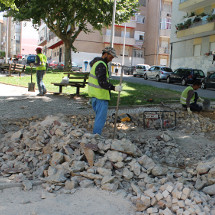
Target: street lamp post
113,23
7,40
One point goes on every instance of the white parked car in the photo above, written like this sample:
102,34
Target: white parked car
140,70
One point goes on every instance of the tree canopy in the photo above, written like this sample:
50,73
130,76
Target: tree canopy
8,3
67,18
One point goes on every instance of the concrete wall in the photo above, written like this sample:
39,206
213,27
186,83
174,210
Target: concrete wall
183,48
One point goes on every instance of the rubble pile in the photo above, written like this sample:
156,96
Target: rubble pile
65,156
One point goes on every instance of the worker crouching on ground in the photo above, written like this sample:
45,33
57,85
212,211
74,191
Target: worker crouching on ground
40,63
99,87
189,98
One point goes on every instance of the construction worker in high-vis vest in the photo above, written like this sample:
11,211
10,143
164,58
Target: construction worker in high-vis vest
40,63
99,87
189,98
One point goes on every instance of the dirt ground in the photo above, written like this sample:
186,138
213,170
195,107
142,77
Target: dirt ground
210,115
90,201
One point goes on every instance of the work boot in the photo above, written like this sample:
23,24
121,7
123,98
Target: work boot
40,94
44,92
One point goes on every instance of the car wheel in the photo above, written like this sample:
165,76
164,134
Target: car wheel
183,82
203,85
135,75
145,77
157,78
168,80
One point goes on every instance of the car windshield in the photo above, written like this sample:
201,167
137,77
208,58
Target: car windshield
199,73
74,64
166,69
140,67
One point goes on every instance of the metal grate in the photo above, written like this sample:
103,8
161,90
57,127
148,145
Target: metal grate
159,119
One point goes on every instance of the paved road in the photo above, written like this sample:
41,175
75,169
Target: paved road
203,93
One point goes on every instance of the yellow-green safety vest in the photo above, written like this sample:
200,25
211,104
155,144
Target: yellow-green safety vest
94,89
43,60
184,96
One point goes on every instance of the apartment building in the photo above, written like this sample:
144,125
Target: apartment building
2,50
158,31
11,37
193,34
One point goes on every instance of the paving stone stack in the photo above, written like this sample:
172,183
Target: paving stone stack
65,156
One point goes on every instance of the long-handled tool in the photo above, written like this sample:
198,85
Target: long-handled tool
31,86
117,105
120,83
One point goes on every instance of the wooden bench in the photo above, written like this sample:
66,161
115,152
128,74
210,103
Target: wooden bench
16,68
76,79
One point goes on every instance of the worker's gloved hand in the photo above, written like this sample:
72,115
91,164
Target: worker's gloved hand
118,88
31,64
189,111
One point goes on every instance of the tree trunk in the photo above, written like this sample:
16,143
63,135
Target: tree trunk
68,56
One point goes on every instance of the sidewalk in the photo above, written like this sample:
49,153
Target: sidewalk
9,90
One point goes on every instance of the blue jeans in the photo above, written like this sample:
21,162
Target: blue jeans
100,107
40,84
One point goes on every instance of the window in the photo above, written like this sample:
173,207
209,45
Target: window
138,53
212,76
141,37
142,3
127,34
196,50
165,23
140,18
108,32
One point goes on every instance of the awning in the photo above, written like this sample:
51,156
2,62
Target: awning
56,45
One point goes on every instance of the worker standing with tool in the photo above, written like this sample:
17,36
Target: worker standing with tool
40,63
189,98
99,87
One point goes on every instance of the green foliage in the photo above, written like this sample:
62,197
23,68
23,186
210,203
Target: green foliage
203,14
67,18
2,53
8,3
192,14
197,19
211,18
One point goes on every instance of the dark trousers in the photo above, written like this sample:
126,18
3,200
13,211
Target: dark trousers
40,84
194,106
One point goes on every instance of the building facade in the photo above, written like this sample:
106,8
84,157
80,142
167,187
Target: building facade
193,34
158,31
11,37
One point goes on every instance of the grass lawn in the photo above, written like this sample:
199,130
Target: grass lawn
132,94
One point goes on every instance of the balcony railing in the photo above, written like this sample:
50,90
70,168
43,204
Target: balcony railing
163,50
165,32
119,40
197,29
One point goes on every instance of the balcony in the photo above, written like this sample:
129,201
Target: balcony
119,40
130,24
196,30
165,32
163,50
192,5
42,41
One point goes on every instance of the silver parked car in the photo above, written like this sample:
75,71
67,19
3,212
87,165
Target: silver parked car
140,70
158,73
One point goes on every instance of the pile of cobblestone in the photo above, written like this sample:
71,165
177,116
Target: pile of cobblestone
64,155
